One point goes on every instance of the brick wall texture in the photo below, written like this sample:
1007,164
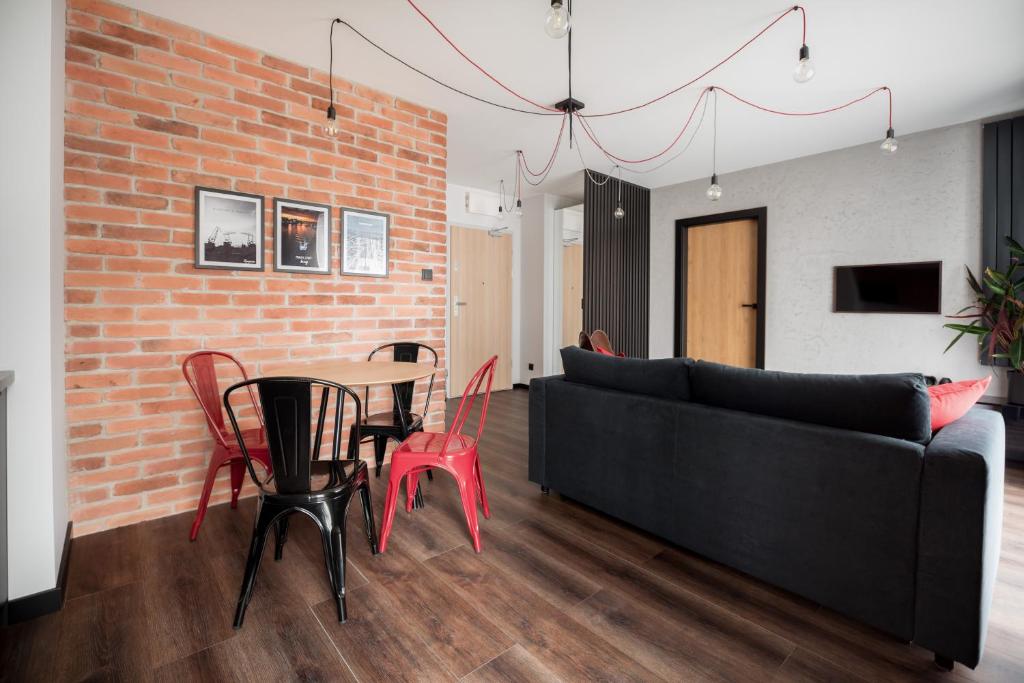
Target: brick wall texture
153,109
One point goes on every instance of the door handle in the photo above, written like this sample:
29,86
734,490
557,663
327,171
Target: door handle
753,305
460,303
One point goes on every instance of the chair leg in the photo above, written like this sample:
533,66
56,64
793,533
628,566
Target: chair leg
371,530
390,504
216,460
237,479
280,537
483,492
380,449
338,562
467,490
412,487
430,474
252,564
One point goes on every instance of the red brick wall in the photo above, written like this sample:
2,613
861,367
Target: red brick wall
153,109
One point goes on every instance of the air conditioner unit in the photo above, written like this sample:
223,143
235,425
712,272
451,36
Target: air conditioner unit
481,203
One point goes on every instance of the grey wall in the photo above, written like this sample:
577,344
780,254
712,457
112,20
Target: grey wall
850,206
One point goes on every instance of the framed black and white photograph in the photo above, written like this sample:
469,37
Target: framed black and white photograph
364,242
229,229
302,237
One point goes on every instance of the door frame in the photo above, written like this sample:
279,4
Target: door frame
514,234
760,215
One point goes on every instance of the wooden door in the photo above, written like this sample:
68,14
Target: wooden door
481,306
572,294
721,292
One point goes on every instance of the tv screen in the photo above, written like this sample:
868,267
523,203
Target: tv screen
889,288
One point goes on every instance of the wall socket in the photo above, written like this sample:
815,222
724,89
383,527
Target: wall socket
427,274
529,366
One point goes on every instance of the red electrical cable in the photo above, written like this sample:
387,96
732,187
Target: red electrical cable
551,160
697,78
590,134
478,67
689,119
811,113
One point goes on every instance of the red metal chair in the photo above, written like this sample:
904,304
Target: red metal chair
452,452
200,370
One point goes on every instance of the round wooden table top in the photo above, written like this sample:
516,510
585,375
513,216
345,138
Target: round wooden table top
359,373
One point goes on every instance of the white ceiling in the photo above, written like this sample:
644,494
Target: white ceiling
947,61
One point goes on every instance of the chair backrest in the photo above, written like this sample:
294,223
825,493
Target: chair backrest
200,370
486,371
585,343
405,352
600,338
287,404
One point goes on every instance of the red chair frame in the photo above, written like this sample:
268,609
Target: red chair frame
451,452
201,374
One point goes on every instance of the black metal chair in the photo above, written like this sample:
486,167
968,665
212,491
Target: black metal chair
399,422
287,404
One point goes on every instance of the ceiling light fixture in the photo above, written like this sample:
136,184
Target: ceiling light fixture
890,144
331,125
557,20
714,191
804,70
619,212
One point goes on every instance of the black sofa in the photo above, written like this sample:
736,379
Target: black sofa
829,486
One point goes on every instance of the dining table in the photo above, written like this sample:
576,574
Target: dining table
367,373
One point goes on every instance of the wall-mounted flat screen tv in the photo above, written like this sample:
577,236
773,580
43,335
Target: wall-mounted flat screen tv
889,288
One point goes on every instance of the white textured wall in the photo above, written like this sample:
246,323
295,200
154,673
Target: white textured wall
31,287
850,206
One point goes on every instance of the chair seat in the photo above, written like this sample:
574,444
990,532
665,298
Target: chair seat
255,439
432,442
391,419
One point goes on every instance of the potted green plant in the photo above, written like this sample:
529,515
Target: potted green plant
996,318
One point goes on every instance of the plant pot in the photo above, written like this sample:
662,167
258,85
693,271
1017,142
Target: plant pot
1015,387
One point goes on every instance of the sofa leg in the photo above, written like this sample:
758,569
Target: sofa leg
944,663
545,490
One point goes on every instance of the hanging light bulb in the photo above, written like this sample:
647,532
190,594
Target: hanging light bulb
804,70
557,21
331,125
519,208
714,191
890,143
619,212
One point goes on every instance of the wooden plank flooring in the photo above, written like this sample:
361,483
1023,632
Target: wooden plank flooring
560,592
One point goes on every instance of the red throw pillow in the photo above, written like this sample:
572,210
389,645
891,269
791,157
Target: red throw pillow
603,352
952,400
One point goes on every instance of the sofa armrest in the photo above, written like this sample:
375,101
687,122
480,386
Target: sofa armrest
538,426
959,535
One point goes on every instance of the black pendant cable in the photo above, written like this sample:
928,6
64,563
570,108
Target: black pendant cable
331,126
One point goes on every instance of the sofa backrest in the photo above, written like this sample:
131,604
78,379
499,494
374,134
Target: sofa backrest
895,405
662,378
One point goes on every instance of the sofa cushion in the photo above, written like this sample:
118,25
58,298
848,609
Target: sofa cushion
663,378
894,405
952,400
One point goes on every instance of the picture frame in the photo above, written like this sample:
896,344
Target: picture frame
302,237
365,242
228,230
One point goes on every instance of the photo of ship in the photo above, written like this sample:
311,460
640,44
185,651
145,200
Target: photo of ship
302,239
298,241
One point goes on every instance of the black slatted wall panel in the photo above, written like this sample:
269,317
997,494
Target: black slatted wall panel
1002,189
616,263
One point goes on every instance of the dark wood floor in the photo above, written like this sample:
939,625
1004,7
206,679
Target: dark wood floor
559,593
